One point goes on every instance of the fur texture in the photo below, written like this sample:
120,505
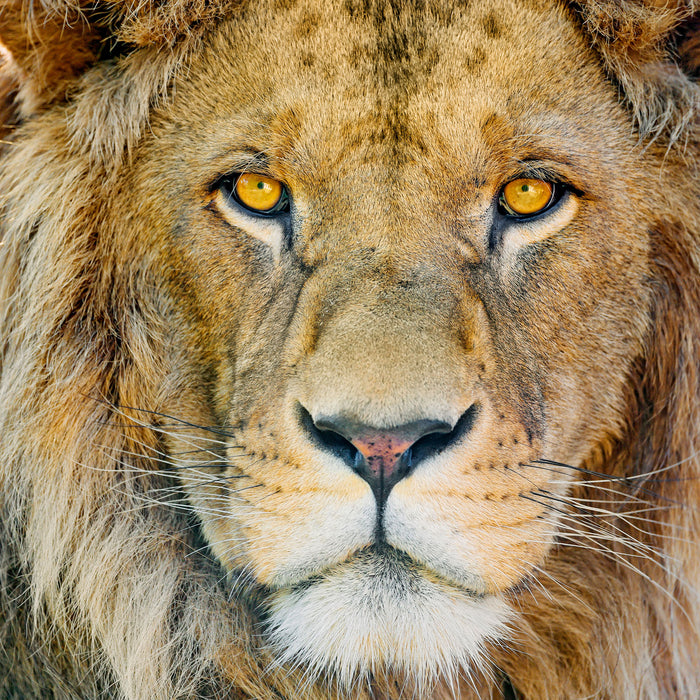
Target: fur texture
173,524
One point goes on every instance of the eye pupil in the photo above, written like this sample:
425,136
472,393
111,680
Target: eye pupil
261,185
525,188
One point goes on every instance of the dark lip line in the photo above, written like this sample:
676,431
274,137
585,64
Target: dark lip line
379,549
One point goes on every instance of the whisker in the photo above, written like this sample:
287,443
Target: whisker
179,421
627,481
630,518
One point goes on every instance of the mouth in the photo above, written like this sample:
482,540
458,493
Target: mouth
381,609
388,566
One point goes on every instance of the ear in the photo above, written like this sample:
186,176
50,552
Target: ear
651,49
45,45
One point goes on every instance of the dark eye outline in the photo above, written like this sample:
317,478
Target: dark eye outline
227,185
558,191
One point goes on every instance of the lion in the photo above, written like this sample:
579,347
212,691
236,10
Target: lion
349,349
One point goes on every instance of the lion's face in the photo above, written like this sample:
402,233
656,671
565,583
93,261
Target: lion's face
385,362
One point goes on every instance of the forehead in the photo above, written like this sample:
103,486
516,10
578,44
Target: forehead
344,83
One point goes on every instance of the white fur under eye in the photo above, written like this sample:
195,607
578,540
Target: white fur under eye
267,230
527,231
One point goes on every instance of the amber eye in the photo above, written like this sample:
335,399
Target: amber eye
526,197
260,194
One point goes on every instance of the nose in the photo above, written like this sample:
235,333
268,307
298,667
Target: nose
383,457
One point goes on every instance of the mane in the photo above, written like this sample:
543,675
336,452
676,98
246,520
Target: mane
95,554
627,551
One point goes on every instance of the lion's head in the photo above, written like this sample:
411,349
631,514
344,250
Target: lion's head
350,349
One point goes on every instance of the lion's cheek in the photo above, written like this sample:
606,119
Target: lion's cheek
291,536
486,545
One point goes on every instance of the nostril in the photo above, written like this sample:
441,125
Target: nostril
330,440
384,456
438,441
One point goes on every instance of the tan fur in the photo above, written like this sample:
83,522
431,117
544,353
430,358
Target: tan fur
166,518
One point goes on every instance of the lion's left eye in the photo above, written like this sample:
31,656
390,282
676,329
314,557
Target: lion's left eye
257,193
526,197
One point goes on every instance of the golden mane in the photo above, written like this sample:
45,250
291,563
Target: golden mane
114,586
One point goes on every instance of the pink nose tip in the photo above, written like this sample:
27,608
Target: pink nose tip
381,457
382,452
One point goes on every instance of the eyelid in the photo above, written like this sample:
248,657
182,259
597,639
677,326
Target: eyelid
268,229
242,162
538,228
247,167
548,170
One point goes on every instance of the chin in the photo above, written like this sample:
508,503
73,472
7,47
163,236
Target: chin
381,613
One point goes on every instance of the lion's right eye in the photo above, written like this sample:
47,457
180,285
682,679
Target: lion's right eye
258,194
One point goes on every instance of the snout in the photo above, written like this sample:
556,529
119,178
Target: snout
383,457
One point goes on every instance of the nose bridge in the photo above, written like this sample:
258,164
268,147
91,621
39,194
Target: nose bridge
389,316
387,347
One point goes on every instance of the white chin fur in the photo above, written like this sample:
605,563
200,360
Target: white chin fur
382,612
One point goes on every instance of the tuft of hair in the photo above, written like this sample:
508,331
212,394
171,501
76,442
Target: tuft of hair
650,51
